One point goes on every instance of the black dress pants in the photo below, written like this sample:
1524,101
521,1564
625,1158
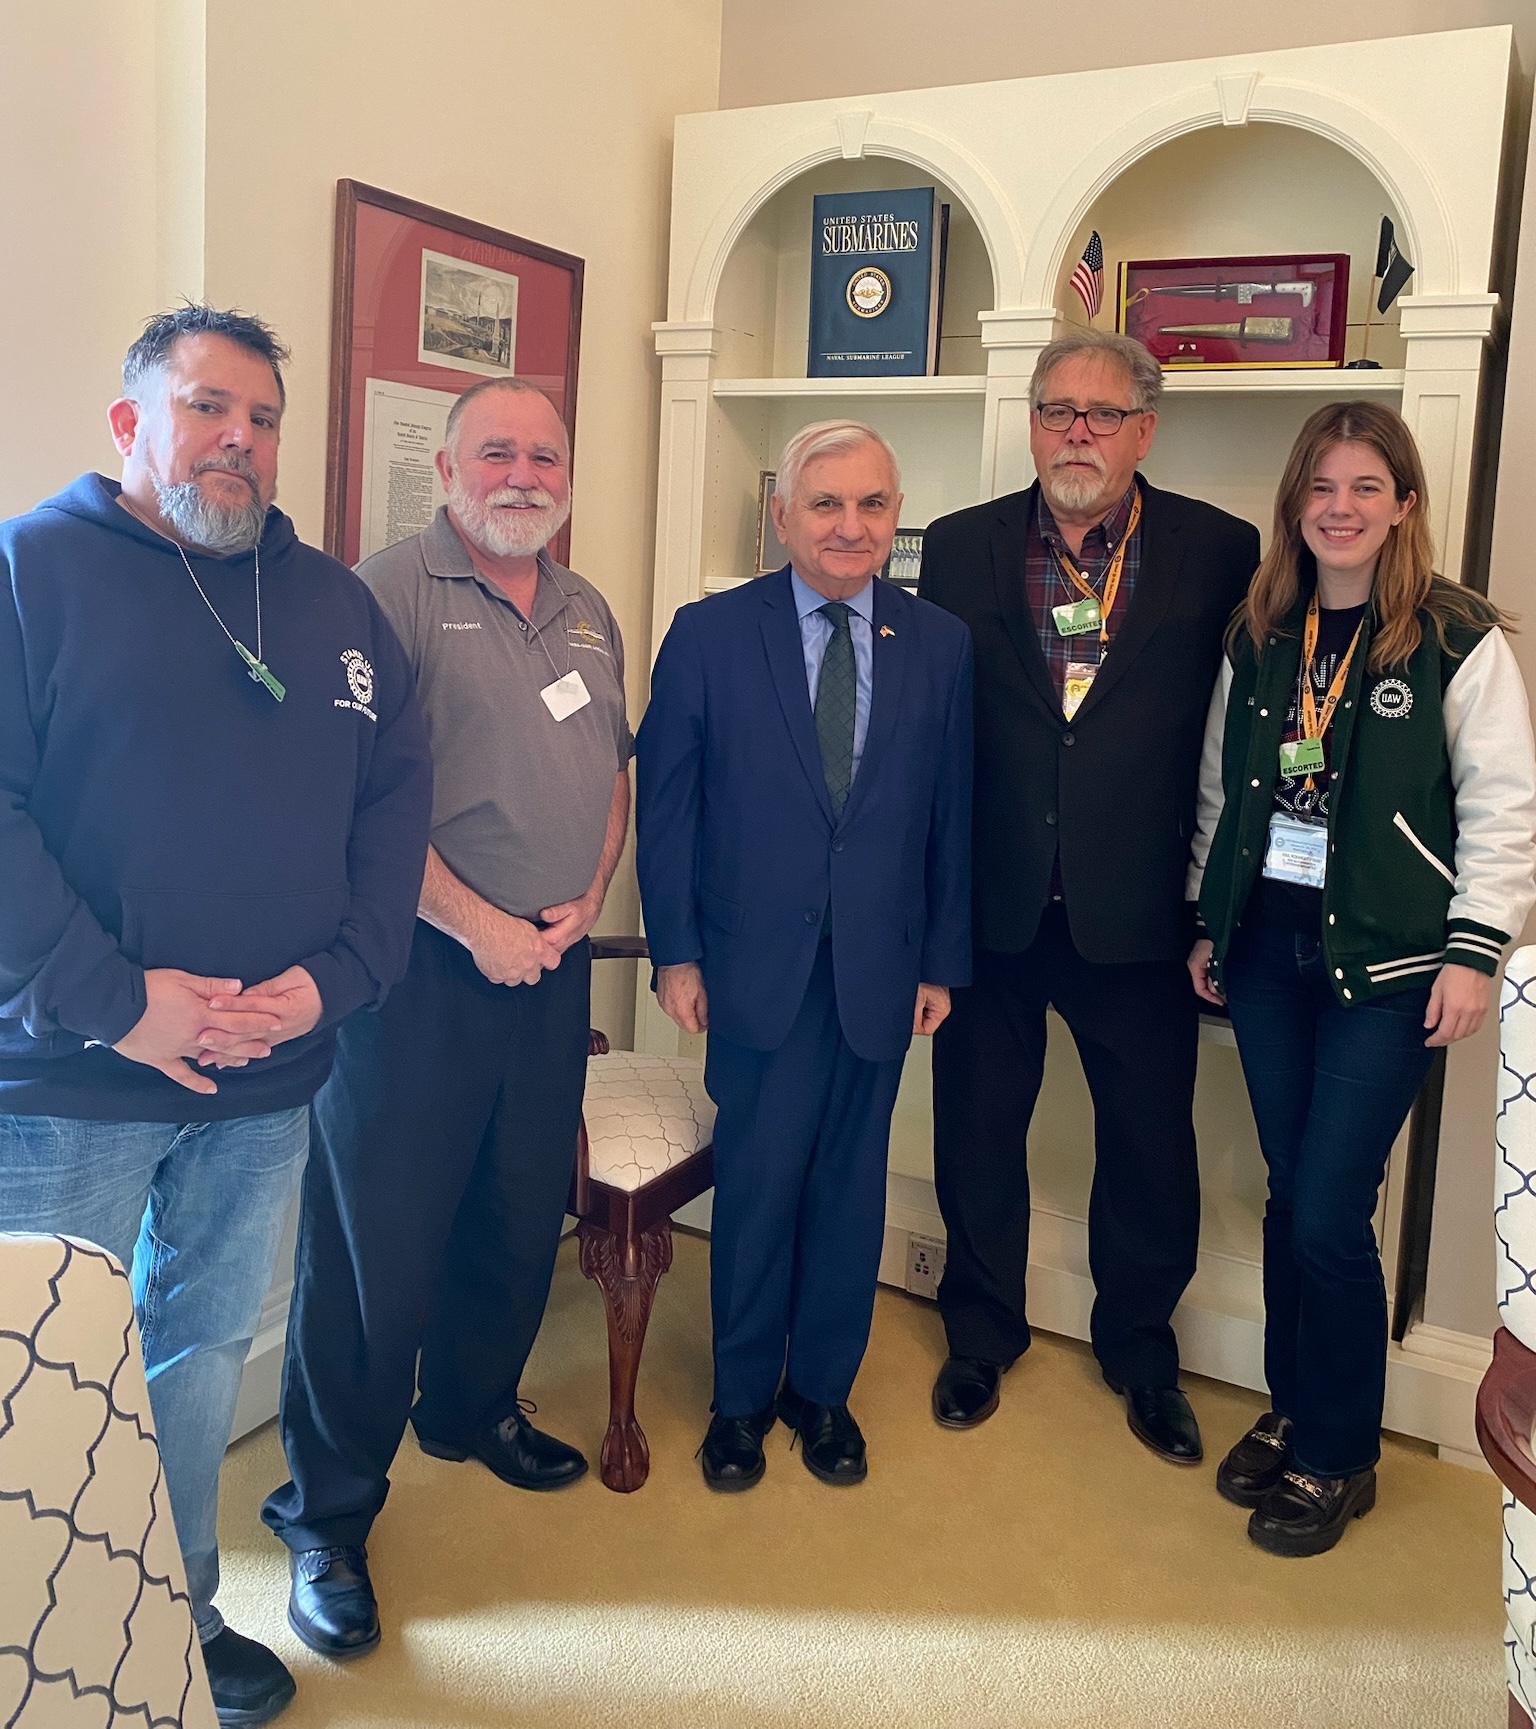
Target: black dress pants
1136,1028
440,1162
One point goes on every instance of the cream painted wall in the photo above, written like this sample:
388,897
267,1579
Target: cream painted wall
799,49
160,148
77,216
557,127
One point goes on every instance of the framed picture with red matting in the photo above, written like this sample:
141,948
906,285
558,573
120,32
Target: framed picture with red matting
425,304
1218,313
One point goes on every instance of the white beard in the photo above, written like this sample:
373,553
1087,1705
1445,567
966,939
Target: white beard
504,533
1076,489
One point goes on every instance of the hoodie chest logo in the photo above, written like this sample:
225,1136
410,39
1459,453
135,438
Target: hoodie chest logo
359,672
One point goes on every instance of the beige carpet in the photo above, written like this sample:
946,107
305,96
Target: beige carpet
1041,1570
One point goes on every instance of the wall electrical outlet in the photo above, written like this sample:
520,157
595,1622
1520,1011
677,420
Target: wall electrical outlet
925,1265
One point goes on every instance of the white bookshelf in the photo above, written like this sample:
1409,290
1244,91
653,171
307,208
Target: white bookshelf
1297,150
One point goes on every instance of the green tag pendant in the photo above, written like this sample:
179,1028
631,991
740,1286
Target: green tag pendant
1302,756
1078,617
258,671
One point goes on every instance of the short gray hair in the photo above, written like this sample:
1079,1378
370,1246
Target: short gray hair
1142,372
827,438
517,386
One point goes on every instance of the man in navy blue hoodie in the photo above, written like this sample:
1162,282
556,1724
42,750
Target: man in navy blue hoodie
215,791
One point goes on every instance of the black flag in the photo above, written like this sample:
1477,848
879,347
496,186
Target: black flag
1393,269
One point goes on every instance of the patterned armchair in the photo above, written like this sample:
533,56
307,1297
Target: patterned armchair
1506,1401
643,1152
95,1624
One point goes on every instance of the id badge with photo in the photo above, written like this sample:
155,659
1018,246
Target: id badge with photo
1297,851
1076,685
565,695
1078,617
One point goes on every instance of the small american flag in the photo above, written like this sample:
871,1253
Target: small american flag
1088,278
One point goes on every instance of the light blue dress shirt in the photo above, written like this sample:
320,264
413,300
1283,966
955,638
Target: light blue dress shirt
816,633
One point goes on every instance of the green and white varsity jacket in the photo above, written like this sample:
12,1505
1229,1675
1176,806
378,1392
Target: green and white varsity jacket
1431,805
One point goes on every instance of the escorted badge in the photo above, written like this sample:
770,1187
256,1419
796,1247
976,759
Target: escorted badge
1302,756
1078,617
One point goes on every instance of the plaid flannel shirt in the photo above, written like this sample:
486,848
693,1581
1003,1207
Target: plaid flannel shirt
1048,585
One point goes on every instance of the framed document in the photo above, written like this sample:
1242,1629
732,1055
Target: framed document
425,304
1217,313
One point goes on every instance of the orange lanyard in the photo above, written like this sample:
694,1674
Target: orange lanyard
1111,574
1313,724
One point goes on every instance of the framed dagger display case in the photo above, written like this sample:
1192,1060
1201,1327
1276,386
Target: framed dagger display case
1257,312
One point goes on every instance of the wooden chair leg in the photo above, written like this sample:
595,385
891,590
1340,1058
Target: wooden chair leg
627,1271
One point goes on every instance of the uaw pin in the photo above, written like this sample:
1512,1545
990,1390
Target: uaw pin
885,630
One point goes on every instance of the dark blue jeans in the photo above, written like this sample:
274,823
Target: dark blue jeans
1331,1084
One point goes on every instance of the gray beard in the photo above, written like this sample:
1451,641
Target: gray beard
204,522
1077,491
501,534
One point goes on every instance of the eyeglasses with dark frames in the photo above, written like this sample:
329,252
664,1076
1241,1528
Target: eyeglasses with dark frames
1062,417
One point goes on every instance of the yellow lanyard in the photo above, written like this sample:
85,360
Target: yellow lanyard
1111,574
1313,724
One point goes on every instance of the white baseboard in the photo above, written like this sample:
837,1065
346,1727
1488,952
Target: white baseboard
1432,1376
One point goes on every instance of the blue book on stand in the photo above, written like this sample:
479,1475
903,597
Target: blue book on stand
875,263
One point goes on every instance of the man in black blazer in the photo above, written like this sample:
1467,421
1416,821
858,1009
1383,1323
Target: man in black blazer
1097,604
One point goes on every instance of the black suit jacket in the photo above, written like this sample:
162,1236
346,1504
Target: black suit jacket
1115,787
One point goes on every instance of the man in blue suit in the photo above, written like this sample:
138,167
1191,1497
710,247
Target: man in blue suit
803,820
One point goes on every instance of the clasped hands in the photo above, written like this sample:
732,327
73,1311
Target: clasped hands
680,992
218,1023
511,951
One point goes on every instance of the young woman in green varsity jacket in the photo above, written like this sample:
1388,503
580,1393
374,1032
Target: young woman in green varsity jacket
1363,853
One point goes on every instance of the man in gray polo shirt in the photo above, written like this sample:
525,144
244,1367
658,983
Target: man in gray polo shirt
444,1141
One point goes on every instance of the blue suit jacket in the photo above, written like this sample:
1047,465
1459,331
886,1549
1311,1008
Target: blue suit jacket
737,850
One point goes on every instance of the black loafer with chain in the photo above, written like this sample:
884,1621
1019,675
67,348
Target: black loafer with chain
1306,1515
1257,1462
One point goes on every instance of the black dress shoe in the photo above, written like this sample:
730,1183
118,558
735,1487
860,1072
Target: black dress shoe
331,1605
966,1392
1161,1418
831,1443
518,1453
732,1450
248,1682
1257,1462
1306,1515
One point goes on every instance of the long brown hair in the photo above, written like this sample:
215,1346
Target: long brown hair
1404,589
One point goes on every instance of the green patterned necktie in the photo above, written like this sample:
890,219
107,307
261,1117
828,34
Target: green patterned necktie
836,704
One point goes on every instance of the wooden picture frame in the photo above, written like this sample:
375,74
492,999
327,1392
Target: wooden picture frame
424,305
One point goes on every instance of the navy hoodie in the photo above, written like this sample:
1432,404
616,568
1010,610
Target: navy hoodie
159,809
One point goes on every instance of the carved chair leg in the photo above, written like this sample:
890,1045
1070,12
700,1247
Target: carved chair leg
627,1272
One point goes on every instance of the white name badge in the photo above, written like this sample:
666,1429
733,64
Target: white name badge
565,695
1297,851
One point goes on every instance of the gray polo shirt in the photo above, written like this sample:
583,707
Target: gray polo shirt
520,800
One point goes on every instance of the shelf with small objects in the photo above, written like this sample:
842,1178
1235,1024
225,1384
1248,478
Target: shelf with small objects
1296,151
761,393
1260,189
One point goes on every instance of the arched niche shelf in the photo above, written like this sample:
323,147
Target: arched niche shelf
1220,191
761,300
